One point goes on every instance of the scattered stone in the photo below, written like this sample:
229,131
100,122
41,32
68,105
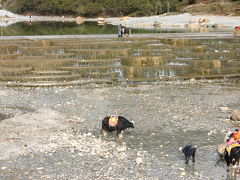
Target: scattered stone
196,174
139,161
212,132
192,21
79,20
139,154
157,24
40,168
121,178
235,116
121,149
203,20
125,18
224,109
183,174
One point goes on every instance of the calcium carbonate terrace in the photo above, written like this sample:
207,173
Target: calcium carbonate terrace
74,61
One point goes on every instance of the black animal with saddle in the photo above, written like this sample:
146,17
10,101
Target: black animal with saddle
116,123
126,32
232,154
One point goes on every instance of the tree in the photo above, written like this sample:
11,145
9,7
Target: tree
94,8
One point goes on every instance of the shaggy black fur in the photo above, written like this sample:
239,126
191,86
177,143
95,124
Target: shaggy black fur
189,151
123,124
234,156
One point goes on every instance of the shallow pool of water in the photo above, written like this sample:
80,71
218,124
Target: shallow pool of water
72,28
117,60
167,116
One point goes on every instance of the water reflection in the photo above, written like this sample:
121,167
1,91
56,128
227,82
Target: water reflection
56,28
87,27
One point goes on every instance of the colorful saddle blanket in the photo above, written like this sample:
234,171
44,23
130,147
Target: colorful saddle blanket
113,121
229,147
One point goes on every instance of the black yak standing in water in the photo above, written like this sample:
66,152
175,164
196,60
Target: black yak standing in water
116,123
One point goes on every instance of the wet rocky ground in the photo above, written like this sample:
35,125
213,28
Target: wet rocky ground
55,133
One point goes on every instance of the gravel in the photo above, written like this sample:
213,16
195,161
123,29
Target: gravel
55,133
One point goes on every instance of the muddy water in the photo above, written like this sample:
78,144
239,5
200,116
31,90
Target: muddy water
167,116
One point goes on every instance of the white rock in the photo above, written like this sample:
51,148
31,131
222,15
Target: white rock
139,161
121,149
40,168
224,108
110,169
196,174
183,174
139,154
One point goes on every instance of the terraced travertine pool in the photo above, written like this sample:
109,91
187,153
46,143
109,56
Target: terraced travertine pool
167,115
51,62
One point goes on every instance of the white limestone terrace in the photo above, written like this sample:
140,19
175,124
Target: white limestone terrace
7,18
10,15
176,21
171,21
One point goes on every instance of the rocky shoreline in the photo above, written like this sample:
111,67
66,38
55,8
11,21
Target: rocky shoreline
161,21
54,133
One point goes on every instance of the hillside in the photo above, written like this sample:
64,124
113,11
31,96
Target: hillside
214,7
117,8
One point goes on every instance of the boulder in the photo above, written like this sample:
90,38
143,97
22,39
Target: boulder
101,21
192,21
79,20
157,24
217,26
221,148
125,18
139,161
192,25
235,116
203,20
